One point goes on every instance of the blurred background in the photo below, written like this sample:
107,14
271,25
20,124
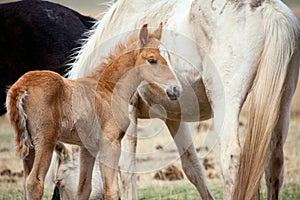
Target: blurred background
86,7
91,7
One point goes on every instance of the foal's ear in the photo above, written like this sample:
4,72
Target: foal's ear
62,151
158,31
144,35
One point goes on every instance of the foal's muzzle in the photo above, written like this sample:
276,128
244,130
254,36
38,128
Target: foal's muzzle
173,93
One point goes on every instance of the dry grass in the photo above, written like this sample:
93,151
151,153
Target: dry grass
150,159
153,189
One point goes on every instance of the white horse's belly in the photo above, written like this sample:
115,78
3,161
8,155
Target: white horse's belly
192,106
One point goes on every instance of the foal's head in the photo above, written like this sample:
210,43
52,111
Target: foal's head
154,64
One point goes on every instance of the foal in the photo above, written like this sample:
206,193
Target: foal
92,112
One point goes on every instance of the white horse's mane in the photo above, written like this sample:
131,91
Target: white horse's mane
85,38
101,40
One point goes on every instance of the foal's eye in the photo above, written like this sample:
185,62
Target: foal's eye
152,61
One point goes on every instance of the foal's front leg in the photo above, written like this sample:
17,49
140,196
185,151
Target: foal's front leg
110,150
127,160
85,177
127,164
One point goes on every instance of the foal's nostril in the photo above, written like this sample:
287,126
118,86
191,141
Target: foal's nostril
173,93
176,91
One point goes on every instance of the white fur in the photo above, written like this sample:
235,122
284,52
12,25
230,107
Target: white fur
216,44
65,169
25,138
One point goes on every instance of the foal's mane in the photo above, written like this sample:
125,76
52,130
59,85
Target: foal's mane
131,44
86,56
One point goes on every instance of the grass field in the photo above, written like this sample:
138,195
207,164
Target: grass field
149,188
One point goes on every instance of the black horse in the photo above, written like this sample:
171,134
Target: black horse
37,35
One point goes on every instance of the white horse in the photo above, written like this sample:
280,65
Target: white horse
227,51
64,173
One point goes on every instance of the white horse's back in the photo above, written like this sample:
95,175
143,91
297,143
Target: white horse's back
122,18
226,45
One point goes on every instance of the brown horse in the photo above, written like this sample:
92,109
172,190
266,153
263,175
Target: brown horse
45,108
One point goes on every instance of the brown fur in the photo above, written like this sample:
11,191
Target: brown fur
14,97
57,109
36,79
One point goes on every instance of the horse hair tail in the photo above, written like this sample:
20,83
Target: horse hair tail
281,30
15,100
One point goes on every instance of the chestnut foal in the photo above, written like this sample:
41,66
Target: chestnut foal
92,112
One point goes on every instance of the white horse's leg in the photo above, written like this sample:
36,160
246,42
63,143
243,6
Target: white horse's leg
191,164
227,101
230,151
227,97
127,163
274,171
226,125
227,91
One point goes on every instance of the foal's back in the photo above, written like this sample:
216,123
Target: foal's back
42,102
38,96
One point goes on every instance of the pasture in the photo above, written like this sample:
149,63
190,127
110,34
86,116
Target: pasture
156,151
151,154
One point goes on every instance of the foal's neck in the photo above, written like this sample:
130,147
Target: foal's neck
117,71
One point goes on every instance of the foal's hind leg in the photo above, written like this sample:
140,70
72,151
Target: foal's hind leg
34,183
191,164
27,166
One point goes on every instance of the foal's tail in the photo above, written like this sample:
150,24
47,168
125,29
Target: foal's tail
15,99
281,31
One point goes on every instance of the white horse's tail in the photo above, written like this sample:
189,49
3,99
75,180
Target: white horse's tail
281,31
